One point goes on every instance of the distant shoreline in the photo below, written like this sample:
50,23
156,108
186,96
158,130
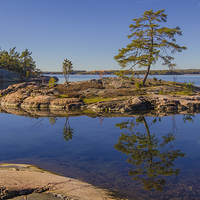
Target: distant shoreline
126,72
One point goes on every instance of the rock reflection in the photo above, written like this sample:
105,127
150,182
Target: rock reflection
152,158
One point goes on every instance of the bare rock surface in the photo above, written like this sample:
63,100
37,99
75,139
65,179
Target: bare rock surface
6,76
20,181
40,96
35,95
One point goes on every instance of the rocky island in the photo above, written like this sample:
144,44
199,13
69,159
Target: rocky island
108,94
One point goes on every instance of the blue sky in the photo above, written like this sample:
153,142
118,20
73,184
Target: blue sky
90,32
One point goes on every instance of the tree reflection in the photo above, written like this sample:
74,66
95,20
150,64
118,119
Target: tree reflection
52,120
68,132
188,117
151,158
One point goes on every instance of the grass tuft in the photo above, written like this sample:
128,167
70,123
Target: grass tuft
95,100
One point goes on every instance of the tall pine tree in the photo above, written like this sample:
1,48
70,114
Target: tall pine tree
149,42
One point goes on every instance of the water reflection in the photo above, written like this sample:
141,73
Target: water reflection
188,117
152,158
153,145
52,120
68,132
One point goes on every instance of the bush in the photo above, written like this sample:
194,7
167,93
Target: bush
189,86
52,82
139,85
155,79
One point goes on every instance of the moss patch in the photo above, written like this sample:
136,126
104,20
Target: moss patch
62,96
95,100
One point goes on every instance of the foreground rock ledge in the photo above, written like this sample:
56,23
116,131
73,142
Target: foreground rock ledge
20,179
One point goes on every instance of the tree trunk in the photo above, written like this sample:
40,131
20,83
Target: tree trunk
149,140
145,77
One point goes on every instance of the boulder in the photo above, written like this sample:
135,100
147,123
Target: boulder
65,103
43,78
15,99
7,76
41,101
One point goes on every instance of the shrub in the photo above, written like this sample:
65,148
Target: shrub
52,82
161,92
189,86
155,79
139,85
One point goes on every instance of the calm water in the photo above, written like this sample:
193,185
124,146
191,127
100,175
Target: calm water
177,78
140,157
125,154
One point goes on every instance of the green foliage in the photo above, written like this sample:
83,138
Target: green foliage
155,79
67,68
189,86
182,93
28,74
149,42
161,92
26,62
23,64
122,74
139,85
52,82
95,100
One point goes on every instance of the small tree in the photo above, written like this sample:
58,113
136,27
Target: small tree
52,82
67,68
149,42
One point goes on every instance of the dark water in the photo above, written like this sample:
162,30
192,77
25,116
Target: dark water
141,157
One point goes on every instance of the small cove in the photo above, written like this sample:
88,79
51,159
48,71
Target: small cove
89,148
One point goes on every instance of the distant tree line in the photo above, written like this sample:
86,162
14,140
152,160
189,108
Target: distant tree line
21,63
128,72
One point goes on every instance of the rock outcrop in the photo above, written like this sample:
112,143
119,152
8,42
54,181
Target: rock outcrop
36,95
44,79
7,76
167,103
30,182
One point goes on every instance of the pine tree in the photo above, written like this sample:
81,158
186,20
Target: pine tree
67,68
149,42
